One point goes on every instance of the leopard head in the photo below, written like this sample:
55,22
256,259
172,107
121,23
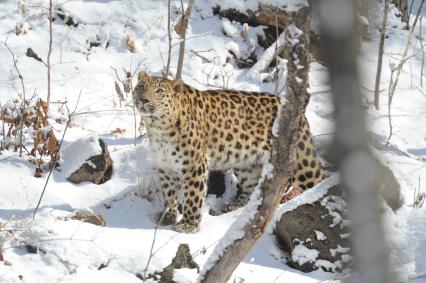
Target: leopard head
155,96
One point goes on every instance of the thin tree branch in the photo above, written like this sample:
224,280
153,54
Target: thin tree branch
185,18
70,115
21,124
49,52
169,36
380,57
392,87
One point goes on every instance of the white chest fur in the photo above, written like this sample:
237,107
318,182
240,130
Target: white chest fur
164,150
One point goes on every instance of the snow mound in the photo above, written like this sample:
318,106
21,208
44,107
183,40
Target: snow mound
104,275
77,153
185,275
302,254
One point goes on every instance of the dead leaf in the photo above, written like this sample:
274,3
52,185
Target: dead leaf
118,131
131,44
179,27
292,194
7,263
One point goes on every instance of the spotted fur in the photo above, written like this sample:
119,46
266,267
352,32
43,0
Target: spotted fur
192,132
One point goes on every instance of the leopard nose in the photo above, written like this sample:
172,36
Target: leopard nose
144,100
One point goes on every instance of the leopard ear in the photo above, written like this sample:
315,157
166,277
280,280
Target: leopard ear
142,76
177,85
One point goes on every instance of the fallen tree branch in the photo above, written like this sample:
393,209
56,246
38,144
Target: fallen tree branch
267,57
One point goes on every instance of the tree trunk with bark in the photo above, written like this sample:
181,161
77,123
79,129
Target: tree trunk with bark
230,253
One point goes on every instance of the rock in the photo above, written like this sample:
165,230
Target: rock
97,168
31,248
89,217
183,259
314,234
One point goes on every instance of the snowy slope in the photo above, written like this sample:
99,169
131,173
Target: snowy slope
72,251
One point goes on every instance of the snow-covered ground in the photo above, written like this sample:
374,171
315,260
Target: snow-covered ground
72,251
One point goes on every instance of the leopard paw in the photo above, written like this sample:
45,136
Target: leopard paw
169,218
232,206
185,227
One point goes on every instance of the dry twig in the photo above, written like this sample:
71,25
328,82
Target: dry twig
15,64
70,115
394,81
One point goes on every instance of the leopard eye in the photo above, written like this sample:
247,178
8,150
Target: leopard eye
160,91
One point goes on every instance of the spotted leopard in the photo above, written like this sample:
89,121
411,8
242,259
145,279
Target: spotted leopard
192,132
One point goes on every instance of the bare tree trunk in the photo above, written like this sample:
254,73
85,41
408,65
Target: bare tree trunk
380,59
359,169
169,35
271,188
185,18
49,52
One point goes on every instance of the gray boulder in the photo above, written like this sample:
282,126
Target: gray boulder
315,235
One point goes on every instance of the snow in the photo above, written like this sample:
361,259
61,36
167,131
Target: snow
334,205
320,235
72,251
302,254
185,275
75,154
339,250
228,28
103,275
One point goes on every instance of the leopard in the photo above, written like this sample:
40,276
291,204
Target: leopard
192,132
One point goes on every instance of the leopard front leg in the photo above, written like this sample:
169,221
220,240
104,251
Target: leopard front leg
194,184
170,184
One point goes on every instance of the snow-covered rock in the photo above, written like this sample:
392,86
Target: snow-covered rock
312,233
87,160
